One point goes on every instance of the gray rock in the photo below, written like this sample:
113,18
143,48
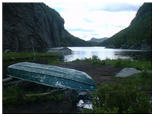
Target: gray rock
7,51
127,72
60,50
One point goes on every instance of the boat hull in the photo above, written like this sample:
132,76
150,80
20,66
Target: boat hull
48,76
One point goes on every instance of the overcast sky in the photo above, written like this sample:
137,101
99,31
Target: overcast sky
95,18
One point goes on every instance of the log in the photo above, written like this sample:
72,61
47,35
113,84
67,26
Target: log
14,82
38,94
7,79
43,94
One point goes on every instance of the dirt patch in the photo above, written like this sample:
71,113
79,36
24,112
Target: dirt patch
100,73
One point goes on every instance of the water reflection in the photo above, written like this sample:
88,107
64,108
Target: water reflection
102,53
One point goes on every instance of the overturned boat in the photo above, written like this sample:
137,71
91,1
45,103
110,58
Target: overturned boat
53,76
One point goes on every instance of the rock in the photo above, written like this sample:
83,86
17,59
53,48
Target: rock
7,51
60,50
85,104
127,72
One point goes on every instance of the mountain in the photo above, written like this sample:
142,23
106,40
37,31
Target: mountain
138,35
34,27
98,39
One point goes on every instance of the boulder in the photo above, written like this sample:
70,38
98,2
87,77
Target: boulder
127,72
60,50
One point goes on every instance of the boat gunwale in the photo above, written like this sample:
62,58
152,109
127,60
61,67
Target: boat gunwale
19,64
42,68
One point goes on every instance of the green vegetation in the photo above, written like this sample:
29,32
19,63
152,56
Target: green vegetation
16,95
94,60
71,40
138,35
126,95
123,63
143,81
119,98
24,55
141,65
15,57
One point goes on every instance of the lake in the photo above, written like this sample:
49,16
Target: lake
106,53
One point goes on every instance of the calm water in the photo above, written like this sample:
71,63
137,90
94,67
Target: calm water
104,53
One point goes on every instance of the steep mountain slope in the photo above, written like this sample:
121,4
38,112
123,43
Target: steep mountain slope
138,35
34,27
98,39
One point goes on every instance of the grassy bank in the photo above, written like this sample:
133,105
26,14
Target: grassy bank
126,95
123,63
23,56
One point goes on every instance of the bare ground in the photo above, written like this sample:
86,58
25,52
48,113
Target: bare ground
100,73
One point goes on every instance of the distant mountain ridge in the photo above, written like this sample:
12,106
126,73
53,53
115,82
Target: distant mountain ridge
34,27
139,33
98,39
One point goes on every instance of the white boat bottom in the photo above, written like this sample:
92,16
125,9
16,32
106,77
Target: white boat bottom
85,104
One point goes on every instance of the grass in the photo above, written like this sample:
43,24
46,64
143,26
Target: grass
143,81
141,65
127,95
24,55
120,99
43,58
16,95
131,95
123,63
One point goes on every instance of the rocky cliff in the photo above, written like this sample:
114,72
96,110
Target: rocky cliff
34,27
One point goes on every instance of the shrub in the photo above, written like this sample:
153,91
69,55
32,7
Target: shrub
12,95
116,98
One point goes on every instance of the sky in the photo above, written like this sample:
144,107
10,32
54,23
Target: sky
95,18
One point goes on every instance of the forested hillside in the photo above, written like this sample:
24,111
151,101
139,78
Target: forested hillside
139,33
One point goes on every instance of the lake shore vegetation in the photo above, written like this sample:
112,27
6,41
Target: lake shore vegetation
125,95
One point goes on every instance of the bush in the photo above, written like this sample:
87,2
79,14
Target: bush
12,95
141,65
94,60
116,98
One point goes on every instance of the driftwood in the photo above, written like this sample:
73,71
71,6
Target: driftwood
7,79
43,94
38,94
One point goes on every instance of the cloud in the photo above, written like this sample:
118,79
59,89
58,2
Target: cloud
80,29
95,18
60,9
117,7
87,20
